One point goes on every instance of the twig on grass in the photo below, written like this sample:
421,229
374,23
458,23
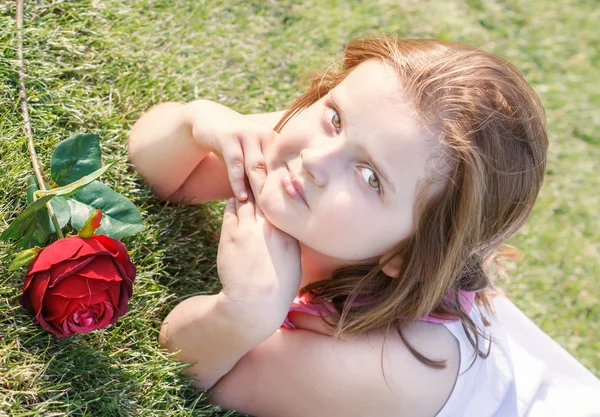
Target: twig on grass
37,170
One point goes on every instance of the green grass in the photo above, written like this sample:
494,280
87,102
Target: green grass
95,66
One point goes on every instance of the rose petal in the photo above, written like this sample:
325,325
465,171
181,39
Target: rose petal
57,307
99,322
93,299
128,281
120,253
77,286
114,246
28,279
36,291
68,268
108,316
53,327
84,317
25,294
53,304
56,252
103,268
94,245
66,328
115,292
99,308
124,300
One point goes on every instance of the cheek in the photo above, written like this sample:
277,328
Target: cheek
356,231
346,230
268,200
273,204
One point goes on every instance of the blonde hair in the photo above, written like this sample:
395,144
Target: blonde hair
491,126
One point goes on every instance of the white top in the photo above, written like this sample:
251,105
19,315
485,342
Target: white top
527,374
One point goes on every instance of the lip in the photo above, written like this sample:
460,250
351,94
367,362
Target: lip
293,187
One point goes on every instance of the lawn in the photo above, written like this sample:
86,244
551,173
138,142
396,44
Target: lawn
95,66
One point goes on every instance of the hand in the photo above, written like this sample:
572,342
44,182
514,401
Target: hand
236,140
258,265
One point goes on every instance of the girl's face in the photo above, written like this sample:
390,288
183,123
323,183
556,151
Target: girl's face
343,175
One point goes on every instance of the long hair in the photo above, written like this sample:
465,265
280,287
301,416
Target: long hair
491,126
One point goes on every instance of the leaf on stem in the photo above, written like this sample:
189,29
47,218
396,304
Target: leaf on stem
75,187
120,217
31,226
74,158
59,205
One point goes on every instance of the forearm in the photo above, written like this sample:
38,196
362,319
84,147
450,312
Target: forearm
172,146
162,148
204,331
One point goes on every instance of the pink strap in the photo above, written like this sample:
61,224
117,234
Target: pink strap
302,304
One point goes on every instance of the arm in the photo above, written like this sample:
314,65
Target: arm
209,181
177,165
259,269
208,331
297,373
162,148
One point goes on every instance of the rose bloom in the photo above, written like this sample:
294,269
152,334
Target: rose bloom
77,285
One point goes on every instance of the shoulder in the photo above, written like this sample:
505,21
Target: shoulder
301,372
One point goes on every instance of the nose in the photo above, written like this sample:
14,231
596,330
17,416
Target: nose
319,163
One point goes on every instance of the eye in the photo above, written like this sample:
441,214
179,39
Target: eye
370,178
334,117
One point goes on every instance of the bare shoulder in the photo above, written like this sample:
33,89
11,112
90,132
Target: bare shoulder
301,372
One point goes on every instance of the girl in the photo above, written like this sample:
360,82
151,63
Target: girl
352,255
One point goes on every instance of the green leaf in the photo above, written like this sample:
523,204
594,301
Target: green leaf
59,205
62,211
38,230
32,186
75,158
120,217
24,258
32,225
75,187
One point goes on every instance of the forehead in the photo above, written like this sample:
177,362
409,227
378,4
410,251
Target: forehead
378,115
374,98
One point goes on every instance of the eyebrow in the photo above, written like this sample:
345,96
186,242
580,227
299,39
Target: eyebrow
363,149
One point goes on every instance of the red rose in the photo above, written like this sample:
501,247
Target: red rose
77,285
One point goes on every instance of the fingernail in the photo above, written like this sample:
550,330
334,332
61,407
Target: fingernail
243,195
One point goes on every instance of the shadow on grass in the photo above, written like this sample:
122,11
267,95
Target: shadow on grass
94,384
83,380
186,240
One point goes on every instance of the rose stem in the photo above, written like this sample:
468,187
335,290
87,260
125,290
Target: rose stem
25,112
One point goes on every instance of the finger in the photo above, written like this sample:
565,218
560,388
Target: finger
245,209
257,211
229,215
255,164
233,156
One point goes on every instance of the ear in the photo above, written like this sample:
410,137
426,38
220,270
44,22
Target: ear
392,267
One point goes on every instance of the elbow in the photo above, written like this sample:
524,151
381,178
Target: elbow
160,191
171,333
134,144
164,337
168,340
